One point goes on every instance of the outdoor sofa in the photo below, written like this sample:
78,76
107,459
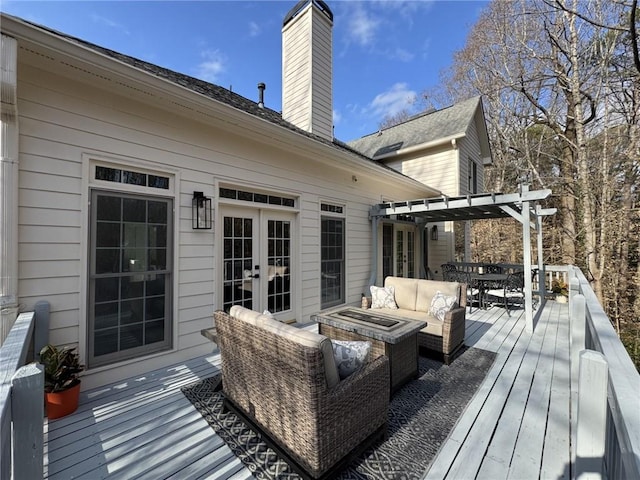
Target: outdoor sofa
284,382
413,297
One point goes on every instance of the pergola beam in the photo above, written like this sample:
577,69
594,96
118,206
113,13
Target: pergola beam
475,207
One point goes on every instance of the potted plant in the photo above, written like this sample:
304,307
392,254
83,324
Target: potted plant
561,289
61,380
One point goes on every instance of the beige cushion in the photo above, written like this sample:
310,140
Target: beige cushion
434,326
405,291
428,288
302,337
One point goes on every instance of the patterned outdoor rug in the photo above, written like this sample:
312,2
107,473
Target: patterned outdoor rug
421,415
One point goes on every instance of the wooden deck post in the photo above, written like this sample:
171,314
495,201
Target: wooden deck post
592,415
27,412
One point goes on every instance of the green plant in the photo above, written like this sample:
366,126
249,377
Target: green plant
560,287
61,368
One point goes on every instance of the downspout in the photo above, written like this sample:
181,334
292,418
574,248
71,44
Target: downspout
8,185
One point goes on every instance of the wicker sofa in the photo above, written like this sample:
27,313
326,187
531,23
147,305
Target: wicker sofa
413,297
283,381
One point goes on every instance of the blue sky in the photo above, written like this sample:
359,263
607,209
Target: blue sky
384,52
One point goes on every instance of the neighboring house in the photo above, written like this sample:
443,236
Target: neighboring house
102,156
447,149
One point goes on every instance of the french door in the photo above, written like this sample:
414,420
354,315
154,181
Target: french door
257,260
399,250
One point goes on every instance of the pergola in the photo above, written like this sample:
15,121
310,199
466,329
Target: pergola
523,205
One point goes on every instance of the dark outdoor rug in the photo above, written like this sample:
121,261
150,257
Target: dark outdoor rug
421,415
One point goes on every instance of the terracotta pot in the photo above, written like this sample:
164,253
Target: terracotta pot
62,403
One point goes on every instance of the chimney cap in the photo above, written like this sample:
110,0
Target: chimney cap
300,5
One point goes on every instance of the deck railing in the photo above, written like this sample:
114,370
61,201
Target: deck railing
21,402
604,388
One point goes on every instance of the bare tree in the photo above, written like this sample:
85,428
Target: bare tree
561,87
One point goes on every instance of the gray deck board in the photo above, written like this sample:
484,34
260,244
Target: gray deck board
516,425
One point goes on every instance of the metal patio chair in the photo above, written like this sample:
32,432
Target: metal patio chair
473,291
512,290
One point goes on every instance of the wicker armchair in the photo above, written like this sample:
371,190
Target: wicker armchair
283,381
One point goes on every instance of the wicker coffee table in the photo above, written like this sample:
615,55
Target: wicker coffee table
394,337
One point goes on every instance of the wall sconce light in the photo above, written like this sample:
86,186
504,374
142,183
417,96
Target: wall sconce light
434,232
201,211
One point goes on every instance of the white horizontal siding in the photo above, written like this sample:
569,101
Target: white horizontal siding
65,122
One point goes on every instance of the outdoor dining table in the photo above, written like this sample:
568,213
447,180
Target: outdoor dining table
487,281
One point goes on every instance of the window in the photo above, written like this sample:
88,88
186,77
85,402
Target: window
332,257
255,197
473,176
130,277
387,250
117,175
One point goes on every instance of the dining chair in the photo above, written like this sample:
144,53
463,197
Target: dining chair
512,290
446,269
492,268
473,291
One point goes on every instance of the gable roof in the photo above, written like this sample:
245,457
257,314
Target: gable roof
24,29
424,129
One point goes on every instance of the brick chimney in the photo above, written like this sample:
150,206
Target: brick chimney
307,70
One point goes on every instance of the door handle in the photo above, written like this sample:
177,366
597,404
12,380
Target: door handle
255,275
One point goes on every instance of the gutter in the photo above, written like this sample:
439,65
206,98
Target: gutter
452,139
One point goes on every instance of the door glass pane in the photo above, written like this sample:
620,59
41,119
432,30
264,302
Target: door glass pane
332,262
238,262
278,266
130,282
411,255
400,253
387,251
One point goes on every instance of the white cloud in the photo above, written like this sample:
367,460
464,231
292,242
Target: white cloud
362,27
337,117
213,65
403,55
109,23
394,100
254,29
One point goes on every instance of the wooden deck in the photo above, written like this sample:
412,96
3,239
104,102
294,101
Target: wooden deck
516,426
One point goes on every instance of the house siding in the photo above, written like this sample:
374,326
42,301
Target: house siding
65,123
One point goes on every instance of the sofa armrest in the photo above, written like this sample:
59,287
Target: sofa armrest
358,404
453,328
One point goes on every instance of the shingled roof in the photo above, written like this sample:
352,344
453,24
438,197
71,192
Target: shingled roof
421,129
210,90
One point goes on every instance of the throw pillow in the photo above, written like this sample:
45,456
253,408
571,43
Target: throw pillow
441,304
349,355
383,297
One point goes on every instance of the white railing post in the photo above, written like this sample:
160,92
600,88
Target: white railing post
577,324
27,412
578,319
592,416
574,288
